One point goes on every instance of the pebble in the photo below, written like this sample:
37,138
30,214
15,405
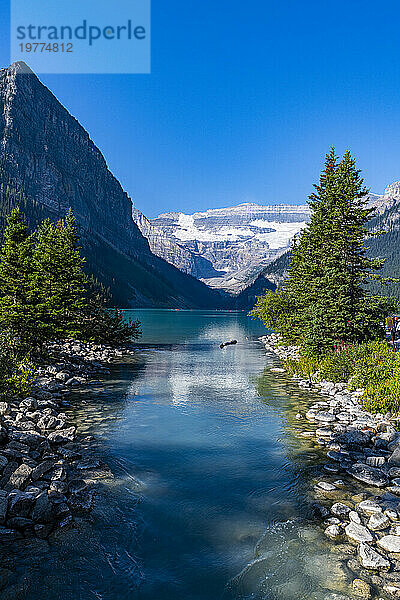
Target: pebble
368,507
361,589
333,531
325,486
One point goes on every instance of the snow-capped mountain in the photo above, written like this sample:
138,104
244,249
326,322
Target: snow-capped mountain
238,241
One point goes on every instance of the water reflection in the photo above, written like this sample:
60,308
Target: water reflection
210,494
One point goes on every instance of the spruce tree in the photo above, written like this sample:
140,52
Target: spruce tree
324,302
59,277
18,306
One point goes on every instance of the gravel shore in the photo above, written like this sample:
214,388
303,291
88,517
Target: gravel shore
358,498
46,474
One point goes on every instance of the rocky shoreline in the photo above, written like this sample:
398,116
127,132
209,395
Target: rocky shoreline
358,496
46,474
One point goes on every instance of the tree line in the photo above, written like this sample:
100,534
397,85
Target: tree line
44,292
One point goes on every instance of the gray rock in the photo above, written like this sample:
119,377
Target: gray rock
20,503
340,510
358,533
41,469
354,438
325,417
378,522
20,477
62,436
390,543
375,461
369,475
355,517
333,531
370,559
369,507
43,510
325,486
394,458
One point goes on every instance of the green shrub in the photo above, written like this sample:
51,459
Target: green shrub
21,380
372,366
305,366
17,374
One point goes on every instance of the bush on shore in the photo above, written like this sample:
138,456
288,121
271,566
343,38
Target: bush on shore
371,366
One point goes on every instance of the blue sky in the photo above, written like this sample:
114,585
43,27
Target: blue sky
244,99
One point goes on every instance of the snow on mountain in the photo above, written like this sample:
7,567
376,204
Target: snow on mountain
239,241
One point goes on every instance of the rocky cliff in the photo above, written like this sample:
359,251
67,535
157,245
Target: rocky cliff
47,154
166,247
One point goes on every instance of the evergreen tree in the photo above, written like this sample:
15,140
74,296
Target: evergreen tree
59,277
324,301
18,308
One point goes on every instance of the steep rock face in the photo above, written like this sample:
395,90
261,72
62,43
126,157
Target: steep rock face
52,158
47,154
389,199
166,247
239,241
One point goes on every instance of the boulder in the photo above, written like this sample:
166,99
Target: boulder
358,533
370,559
62,436
378,522
43,510
394,458
20,503
333,531
369,507
353,438
20,477
390,543
369,475
41,469
340,510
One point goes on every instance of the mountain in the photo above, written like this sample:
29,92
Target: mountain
169,249
49,158
238,241
386,245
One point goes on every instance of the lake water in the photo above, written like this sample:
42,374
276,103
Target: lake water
210,495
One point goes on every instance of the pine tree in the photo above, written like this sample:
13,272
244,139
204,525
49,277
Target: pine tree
18,310
324,301
59,277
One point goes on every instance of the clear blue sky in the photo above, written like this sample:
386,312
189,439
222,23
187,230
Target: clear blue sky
244,99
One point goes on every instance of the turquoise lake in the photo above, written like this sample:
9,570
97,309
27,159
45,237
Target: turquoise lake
210,492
